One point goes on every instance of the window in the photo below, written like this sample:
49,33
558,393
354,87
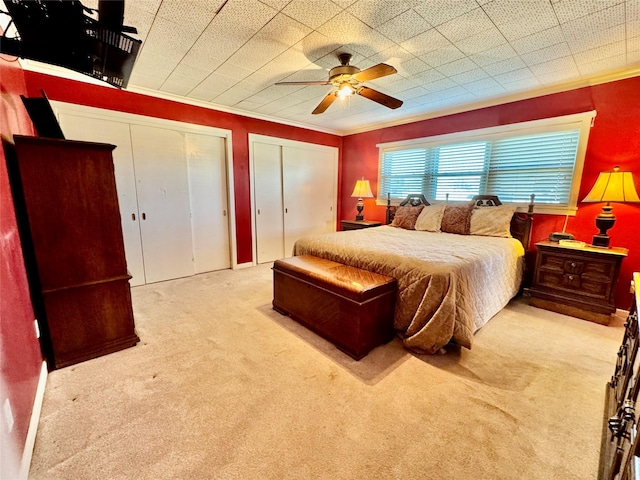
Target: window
543,157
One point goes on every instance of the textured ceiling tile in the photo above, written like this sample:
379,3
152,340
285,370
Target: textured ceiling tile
579,31
440,11
484,84
345,29
411,66
522,85
429,76
559,76
404,26
504,66
520,75
564,64
169,40
193,14
536,41
519,19
277,4
446,54
568,10
497,54
469,77
425,42
273,39
376,13
186,76
545,54
440,85
315,45
603,65
212,86
482,41
587,41
457,66
599,54
145,81
313,14
470,23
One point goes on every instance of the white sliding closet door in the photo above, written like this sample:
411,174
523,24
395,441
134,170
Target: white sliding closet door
208,197
116,133
268,213
308,184
163,202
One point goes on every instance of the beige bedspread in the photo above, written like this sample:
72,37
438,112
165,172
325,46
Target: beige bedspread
448,285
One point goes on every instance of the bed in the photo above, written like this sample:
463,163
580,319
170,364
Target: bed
449,284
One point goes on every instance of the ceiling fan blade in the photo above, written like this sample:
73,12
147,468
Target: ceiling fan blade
377,71
324,104
379,97
303,83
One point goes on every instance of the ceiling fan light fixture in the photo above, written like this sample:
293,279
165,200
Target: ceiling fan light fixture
345,90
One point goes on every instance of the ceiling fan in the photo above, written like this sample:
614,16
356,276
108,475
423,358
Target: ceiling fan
347,79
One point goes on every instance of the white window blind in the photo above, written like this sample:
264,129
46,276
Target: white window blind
512,162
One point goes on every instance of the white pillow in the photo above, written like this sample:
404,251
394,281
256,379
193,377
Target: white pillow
492,221
430,218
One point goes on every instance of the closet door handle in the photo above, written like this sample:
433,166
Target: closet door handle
144,216
258,211
286,210
224,213
133,217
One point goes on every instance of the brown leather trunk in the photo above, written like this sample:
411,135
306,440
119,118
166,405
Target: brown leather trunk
350,307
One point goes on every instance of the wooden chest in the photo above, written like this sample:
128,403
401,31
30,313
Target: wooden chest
350,307
577,281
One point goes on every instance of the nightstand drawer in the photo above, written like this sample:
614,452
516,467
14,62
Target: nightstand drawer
579,275
576,281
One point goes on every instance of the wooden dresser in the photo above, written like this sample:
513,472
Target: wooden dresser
67,210
620,448
577,281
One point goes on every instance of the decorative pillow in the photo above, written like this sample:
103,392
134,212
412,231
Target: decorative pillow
492,221
406,217
430,218
457,218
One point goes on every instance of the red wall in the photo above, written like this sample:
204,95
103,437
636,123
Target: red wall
20,355
109,98
614,140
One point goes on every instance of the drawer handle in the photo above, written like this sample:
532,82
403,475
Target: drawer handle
571,277
573,264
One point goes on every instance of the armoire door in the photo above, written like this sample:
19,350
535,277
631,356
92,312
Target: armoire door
206,160
162,185
267,183
115,133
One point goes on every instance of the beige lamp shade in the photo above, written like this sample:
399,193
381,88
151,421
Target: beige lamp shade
613,186
362,189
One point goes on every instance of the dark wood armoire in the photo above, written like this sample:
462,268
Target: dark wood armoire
67,209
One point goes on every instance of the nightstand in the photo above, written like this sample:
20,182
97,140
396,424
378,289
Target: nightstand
358,224
577,281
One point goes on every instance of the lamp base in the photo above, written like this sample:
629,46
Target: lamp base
360,207
600,241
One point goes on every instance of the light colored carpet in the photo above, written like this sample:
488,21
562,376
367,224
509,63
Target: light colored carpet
223,387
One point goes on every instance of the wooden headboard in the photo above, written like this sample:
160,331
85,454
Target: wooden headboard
521,222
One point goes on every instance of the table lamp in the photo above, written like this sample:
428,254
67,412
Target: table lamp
610,187
361,190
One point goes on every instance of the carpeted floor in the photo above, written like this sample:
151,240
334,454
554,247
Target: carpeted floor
223,387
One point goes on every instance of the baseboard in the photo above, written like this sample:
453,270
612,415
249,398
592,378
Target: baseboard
243,265
27,454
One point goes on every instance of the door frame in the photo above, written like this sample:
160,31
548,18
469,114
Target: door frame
283,142
131,118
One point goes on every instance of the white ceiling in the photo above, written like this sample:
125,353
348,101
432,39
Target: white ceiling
450,54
